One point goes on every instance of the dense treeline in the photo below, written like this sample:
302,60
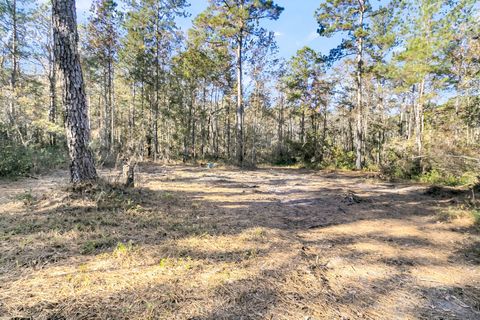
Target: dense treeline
399,94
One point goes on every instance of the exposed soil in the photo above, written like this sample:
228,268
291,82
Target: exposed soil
193,243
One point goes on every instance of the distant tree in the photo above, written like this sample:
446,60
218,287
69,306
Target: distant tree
350,16
82,168
237,23
102,47
13,20
422,63
152,38
384,36
304,69
41,36
307,90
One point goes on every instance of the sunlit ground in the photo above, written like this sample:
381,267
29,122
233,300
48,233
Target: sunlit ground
192,243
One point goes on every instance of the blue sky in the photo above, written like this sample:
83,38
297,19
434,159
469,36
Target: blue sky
295,29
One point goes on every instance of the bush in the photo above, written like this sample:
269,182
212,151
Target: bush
18,160
447,179
342,159
15,161
398,162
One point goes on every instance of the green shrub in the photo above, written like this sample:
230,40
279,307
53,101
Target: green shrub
15,161
18,160
398,166
434,176
342,159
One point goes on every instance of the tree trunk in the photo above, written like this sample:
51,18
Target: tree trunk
106,114
110,101
419,118
359,106
52,78
128,172
281,122
302,127
13,76
239,102
228,132
157,85
324,132
82,168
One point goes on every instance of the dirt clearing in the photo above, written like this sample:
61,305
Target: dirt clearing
192,243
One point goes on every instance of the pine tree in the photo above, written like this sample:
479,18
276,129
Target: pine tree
82,168
421,61
349,16
149,45
14,19
237,23
102,37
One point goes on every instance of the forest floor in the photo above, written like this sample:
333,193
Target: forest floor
192,243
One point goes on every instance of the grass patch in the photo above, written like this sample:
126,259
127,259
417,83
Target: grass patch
27,198
90,246
476,217
208,260
167,196
452,213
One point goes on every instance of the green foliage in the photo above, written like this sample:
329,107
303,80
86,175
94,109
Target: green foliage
122,249
90,246
434,176
342,16
18,160
15,161
27,198
397,165
343,159
476,216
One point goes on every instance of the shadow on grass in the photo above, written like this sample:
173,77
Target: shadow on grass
84,226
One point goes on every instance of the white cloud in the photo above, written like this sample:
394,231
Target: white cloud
312,36
278,34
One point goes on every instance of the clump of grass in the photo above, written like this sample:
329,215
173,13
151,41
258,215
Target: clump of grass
24,227
81,279
26,197
452,213
476,217
167,196
123,249
106,195
91,246
164,263
169,263
255,234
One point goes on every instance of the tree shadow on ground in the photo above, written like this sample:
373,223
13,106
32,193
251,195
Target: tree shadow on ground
291,253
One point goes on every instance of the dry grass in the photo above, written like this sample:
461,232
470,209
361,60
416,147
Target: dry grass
192,243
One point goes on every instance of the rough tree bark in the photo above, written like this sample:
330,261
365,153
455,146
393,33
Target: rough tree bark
65,36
